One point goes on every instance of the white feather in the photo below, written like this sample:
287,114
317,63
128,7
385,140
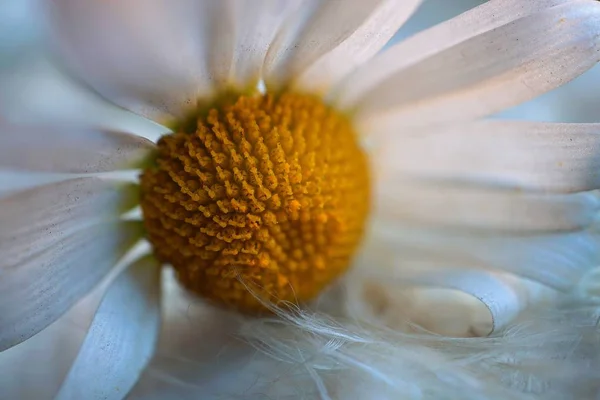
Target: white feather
549,354
329,351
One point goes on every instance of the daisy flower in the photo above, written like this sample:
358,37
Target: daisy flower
296,152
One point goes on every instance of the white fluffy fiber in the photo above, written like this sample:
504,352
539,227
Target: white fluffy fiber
331,352
547,354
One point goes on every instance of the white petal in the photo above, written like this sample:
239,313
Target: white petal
522,155
490,15
461,206
70,151
325,40
487,73
121,339
242,35
557,260
47,284
147,56
33,221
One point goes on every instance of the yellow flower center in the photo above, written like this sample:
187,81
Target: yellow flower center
266,193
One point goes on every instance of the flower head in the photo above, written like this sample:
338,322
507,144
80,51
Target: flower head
296,154
271,192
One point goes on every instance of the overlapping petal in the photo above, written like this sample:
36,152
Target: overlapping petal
57,242
326,40
483,74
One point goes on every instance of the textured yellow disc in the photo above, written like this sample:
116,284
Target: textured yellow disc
266,196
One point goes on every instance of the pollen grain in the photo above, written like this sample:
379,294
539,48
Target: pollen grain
262,200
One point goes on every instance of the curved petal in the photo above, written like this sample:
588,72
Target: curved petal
147,56
458,303
487,73
33,221
325,40
70,151
550,157
503,295
121,339
557,260
41,288
468,207
486,17
448,312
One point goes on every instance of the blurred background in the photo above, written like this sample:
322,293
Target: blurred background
30,85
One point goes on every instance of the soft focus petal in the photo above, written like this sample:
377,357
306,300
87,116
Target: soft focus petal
488,16
521,155
121,339
590,284
462,206
557,260
325,40
34,221
35,292
243,31
70,151
57,345
12,182
39,93
147,56
487,73
198,355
